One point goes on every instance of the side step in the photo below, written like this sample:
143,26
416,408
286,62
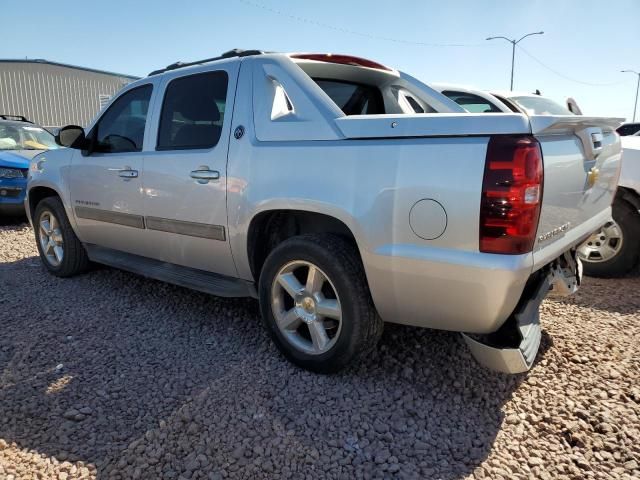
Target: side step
192,278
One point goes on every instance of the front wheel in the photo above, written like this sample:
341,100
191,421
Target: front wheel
614,250
60,250
316,304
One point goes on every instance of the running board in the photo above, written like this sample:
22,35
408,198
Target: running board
192,278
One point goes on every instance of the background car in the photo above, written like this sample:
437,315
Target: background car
628,129
478,101
615,250
22,137
13,183
20,141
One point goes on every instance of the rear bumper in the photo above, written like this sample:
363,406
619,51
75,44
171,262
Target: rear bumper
513,348
446,289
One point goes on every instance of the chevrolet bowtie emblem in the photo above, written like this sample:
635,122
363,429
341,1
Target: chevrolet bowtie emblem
592,176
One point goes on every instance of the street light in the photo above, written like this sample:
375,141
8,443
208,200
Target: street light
635,104
513,48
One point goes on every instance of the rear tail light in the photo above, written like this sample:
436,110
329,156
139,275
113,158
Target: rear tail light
511,195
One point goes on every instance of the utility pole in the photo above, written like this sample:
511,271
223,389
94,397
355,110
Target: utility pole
635,104
513,43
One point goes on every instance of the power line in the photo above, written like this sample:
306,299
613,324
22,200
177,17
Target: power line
354,32
560,74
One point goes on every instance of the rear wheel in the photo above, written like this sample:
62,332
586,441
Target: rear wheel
614,250
316,304
60,250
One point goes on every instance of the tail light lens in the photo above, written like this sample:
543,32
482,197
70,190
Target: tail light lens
511,195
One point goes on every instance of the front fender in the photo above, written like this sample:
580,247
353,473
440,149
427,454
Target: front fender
51,170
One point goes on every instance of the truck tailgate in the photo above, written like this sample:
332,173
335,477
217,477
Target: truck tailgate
581,165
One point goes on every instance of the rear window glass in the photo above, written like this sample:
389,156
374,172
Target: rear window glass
628,129
535,105
471,103
353,98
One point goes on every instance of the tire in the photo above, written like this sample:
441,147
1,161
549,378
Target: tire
73,259
627,255
351,324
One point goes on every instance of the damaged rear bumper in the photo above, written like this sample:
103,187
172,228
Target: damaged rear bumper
513,348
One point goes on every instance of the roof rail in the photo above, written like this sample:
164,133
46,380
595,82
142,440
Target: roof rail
19,118
236,52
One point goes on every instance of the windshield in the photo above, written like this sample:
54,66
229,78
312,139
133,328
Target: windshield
535,105
14,136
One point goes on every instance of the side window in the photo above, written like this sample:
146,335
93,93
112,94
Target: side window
193,111
121,128
471,103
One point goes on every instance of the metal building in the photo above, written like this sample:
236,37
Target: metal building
55,94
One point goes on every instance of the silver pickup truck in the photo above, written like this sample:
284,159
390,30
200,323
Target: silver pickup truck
339,192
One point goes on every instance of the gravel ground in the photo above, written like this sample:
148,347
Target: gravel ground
109,375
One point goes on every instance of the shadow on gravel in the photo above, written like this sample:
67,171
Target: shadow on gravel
143,379
13,220
616,295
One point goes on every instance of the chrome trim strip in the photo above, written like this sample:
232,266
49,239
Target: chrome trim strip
126,219
192,229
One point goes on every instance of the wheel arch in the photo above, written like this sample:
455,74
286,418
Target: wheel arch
269,228
629,196
39,193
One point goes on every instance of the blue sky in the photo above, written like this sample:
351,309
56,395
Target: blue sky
585,40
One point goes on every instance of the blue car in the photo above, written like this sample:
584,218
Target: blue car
13,183
20,141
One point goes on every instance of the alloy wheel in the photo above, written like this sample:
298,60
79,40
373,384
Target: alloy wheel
602,245
306,307
51,240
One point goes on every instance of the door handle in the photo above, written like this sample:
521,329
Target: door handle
205,174
125,172
128,173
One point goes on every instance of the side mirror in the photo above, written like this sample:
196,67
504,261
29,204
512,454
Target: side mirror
71,136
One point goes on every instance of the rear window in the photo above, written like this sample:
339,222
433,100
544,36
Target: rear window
629,129
471,103
353,98
535,105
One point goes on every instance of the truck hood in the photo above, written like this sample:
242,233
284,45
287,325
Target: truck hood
12,160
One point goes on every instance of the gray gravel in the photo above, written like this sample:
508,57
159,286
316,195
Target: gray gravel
109,375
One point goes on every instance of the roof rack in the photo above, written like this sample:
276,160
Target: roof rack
236,52
19,118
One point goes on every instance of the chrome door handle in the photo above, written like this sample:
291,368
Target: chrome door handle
125,172
128,173
205,174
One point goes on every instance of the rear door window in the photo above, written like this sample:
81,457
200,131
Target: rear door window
629,129
353,98
193,112
471,103
535,105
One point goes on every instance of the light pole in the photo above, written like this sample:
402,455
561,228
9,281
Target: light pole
513,48
635,104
